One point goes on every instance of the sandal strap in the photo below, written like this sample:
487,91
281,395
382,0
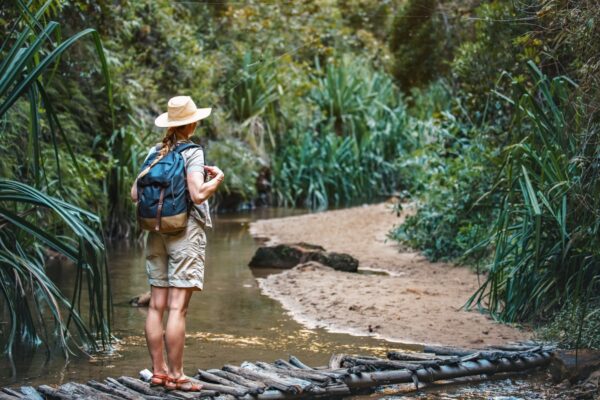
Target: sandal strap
194,386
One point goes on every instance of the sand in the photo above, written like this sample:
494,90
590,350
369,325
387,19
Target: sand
415,302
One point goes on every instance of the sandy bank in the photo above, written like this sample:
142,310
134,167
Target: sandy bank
418,302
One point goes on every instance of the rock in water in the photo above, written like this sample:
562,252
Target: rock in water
565,364
287,256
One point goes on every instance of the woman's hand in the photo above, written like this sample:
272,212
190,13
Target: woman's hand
215,173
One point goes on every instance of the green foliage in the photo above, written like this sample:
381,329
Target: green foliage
417,43
546,236
368,15
574,327
126,151
479,61
428,103
241,168
34,222
350,153
302,89
29,295
566,40
445,175
254,89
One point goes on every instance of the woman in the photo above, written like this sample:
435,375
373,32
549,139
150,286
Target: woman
175,261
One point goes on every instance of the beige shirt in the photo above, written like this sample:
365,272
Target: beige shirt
194,161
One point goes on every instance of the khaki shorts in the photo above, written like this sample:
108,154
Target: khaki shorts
177,259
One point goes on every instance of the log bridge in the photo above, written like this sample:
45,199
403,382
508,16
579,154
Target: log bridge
345,375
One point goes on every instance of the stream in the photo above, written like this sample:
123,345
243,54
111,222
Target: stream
228,322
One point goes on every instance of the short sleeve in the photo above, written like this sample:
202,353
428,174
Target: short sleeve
194,160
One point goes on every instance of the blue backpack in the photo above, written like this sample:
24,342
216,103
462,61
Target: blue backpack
163,199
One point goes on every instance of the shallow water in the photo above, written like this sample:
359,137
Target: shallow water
228,323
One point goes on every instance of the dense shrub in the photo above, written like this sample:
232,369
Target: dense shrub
348,152
446,176
241,166
417,43
575,326
546,237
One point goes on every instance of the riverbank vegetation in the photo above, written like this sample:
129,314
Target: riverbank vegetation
483,113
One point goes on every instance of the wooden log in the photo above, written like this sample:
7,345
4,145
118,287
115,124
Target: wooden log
303,384
85,391
489,354
337,390
334,390
448,351
378,364
13,393
277,383
207,376
344,371
335,361
284,364
515,347
426,357
112,382
296,373
444,372
180,394
218,388
31,393
122,394
54,393
138,385
254,385
296,361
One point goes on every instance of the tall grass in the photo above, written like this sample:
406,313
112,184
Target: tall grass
546,237
253,94
348,154
126,151
34,222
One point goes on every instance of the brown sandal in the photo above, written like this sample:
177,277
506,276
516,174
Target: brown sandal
159,379
177,384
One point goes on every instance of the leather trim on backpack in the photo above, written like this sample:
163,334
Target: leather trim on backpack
173,223
161,199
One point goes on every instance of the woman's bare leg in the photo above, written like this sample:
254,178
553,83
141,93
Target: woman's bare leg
154,328
178,301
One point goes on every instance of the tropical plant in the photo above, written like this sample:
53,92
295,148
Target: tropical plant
418,43
253,94
126,151
34,222
546,238
445,176
317,171
242,166
348,152
338,94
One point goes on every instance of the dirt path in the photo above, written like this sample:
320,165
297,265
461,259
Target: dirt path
417,303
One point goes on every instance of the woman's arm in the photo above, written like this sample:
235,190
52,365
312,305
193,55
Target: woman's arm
199,190
134,191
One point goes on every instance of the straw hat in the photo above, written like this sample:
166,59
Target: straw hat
181,111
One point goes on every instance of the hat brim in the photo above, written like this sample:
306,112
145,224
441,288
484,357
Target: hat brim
163,121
